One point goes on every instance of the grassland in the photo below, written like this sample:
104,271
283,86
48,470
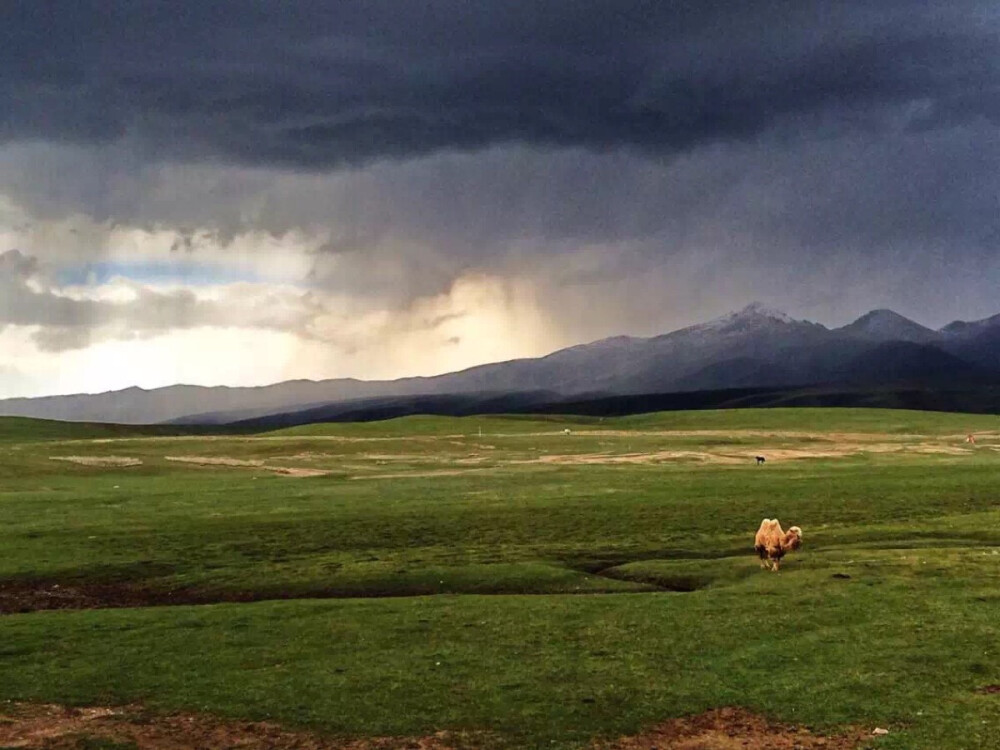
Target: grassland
503,576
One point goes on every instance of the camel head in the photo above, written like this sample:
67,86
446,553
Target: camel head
793,538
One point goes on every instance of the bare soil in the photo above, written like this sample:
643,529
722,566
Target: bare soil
34,596
239,463
418,474
51,727
731,457
734,729
99,460
18,597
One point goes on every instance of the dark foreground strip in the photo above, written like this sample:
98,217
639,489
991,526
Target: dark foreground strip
51,727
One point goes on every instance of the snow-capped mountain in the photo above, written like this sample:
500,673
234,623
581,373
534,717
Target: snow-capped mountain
753,315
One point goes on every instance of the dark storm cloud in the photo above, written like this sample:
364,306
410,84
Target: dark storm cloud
316,84
643,164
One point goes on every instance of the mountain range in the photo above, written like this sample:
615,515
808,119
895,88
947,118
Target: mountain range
755,349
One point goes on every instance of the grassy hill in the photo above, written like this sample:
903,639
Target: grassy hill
27,429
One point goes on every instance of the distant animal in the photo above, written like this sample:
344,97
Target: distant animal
971,439
760,460
772,544
566,431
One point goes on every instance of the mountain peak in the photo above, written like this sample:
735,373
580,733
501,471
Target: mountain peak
887,325
754,315
883,313
760,310
971,327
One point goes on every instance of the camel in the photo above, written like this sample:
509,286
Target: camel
771,543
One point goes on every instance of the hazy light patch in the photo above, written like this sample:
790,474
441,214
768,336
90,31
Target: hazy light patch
204,356
480,319
14,383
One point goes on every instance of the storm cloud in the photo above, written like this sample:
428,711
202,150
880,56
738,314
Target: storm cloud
317,84
350,173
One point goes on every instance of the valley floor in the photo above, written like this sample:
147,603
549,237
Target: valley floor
505,582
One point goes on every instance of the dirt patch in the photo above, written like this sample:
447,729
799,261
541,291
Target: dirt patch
295,471
733,729
952,450
730,457
707,457
394,456
30,597
418,474
50,727
239,463
19,597
34,596
62,728
628,458
796,454
217,461
99,460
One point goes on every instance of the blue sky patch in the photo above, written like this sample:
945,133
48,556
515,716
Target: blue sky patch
189,274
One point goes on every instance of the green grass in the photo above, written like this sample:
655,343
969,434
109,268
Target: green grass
19,429
802,419
527,596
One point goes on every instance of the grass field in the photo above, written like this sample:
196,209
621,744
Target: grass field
504,577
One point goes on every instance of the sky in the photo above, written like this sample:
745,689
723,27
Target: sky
239,193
